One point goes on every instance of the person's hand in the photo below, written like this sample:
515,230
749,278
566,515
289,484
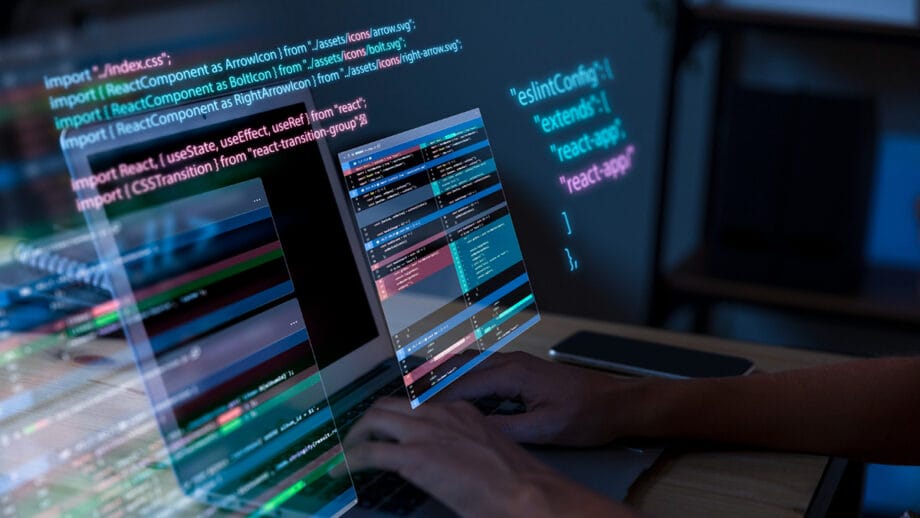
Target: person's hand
451,452
566,405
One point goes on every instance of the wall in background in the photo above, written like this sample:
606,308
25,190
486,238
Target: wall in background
901,12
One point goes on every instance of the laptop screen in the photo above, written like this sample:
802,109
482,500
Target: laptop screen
221,154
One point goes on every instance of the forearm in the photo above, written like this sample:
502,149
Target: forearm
545,493
868,409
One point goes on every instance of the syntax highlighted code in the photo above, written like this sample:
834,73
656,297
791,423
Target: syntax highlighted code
613,168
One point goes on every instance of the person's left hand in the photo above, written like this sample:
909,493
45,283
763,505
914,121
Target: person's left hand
452,453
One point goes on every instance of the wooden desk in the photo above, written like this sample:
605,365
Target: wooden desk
710,483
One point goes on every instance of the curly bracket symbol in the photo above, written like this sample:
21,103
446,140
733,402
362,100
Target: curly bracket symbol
573,263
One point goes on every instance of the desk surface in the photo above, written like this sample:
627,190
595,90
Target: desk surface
89,402
710,483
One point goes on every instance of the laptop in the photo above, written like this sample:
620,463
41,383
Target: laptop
221,268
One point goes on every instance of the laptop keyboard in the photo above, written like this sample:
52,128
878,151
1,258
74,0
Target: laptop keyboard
381,490
387,491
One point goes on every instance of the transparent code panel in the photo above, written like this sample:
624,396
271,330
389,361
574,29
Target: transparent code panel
442,248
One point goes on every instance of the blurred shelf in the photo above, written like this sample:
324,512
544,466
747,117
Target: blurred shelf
886,295
721,17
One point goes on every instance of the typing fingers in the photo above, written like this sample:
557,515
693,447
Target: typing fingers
490,380
381,424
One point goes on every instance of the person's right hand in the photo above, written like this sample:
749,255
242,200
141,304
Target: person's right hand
566,405
450,451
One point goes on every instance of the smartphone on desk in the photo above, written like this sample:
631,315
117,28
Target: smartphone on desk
637,357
